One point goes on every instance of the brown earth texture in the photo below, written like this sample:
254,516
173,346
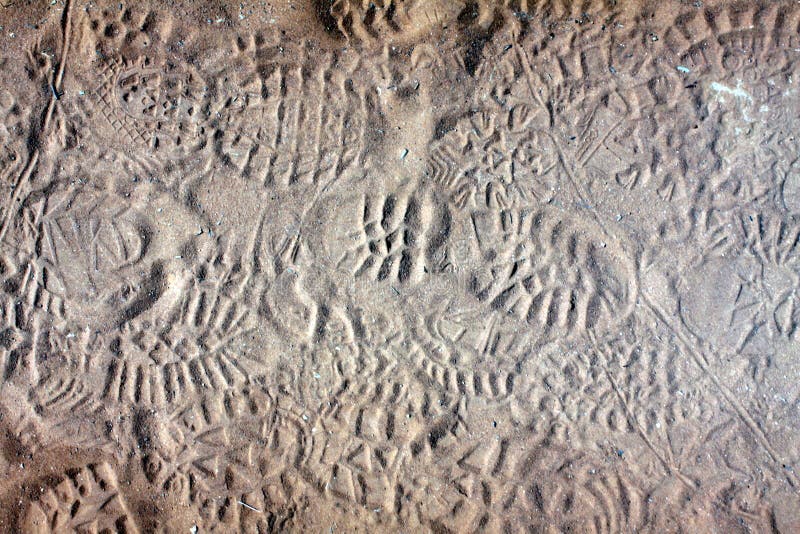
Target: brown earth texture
441,266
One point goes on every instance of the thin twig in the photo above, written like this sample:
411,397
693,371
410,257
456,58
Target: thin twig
249,507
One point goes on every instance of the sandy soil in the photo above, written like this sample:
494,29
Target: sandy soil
399,266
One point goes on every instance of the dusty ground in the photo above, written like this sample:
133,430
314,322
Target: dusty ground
399,266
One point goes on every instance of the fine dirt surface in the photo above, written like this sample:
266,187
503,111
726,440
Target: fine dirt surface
399,266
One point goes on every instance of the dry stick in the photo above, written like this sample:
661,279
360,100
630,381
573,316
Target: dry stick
584,198
24,176
664,458
740,410
562,157
56,90
593,151
696,355
523,58
66,43
672,469
249,507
